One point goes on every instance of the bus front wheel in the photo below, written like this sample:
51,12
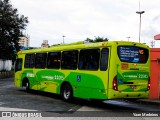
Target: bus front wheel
67,92
26,84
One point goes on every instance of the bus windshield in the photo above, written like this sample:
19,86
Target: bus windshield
133,54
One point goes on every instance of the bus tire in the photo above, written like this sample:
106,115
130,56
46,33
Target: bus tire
66,92
26,84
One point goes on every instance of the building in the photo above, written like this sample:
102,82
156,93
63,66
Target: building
45,44
157,37
155,73
24,41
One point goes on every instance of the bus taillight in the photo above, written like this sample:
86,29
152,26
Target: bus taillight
149,84
114,84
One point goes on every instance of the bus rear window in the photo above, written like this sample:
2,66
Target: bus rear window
133,54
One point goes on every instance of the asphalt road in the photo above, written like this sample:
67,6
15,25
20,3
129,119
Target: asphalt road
17,100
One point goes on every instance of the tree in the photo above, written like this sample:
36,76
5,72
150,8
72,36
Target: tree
89,40
11,26
97,39
100,39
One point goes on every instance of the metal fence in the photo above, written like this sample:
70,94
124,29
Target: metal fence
5,65
6,74
6,69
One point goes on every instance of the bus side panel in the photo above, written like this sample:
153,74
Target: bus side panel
31,77
87,85
112,71
50,80
17,79
90,84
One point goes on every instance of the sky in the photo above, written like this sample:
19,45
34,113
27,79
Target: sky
81,19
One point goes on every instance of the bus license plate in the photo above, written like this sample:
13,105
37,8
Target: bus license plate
133,86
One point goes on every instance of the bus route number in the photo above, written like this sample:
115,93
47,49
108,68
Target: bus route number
143,76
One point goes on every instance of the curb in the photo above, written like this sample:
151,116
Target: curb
149,101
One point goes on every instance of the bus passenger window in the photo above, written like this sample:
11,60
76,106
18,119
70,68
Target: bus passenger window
18,65
89,59
29,60
69,60
54,59
104,59
40,60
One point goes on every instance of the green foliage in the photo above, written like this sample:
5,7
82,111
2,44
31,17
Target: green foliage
97,39
11,26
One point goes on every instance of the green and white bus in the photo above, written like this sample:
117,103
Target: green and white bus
103,70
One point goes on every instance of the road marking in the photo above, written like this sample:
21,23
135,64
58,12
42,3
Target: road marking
14,109
86,108
75,108
1,103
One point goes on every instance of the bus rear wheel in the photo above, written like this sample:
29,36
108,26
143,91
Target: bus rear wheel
67,92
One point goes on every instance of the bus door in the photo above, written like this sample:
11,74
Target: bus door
133,70
18,71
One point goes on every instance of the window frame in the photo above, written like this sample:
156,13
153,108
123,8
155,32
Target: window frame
75,64
30,61
51,67
41,66
89,63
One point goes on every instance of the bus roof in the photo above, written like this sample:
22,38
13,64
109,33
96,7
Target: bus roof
80,45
